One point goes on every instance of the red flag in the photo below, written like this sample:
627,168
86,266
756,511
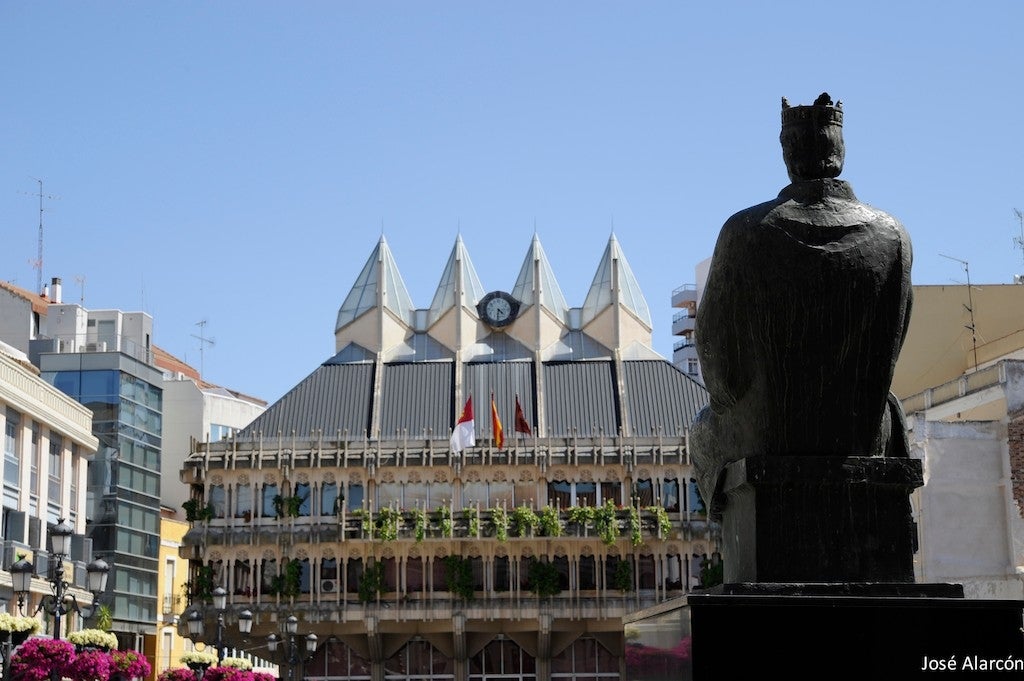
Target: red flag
522,425
464,432
499,433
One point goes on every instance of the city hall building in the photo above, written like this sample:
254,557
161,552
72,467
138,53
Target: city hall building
477,490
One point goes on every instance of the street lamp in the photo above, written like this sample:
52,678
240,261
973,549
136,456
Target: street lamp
60,543
292,659
220,604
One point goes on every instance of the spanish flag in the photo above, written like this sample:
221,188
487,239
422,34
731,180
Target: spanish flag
499,434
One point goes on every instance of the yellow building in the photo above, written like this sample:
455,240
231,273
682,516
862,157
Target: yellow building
171,583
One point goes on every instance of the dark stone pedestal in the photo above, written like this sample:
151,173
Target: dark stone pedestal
819,519
843,631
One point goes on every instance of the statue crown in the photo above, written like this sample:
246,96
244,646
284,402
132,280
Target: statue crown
822,112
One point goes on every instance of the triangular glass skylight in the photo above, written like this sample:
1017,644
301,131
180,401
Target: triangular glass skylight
447,289
550,292
379,267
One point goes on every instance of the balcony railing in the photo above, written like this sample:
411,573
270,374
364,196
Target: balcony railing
342,451
621,525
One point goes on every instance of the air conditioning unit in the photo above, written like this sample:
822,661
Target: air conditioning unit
328,586
96,347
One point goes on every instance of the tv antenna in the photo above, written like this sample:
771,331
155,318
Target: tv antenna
1019,240
38,262
969,307
80,280
203,342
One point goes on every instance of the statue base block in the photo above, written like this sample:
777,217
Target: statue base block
819,519
844,631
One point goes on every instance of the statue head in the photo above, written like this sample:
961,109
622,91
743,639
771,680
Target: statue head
812,139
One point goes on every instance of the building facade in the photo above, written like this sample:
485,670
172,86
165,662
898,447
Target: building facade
411,553
47,443
687,298
960,379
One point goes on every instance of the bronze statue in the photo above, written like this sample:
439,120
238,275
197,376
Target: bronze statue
803,316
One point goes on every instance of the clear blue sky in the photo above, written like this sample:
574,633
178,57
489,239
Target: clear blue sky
237,161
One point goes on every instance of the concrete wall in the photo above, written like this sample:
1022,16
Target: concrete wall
968,523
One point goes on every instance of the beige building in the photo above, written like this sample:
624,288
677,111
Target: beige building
47,441
410,554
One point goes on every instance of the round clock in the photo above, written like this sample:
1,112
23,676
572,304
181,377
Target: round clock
498,308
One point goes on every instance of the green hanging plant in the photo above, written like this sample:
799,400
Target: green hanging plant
195,510
524,521
635,534
386,525
365,519
581,516
291,578
542,579
499,521
444,514
606,523
371,583
550,525
419,521
472,522
622,576
661,518
458,576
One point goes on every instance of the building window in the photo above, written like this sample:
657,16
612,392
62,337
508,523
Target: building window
670,495
219,500
304,492
335,660
269,492
502,659
219,432
694,501
355,497
243,501
12,462
585,658
419,661
644,492
692,367
34,460
55,470
329,500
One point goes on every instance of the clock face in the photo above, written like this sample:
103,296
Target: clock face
498,309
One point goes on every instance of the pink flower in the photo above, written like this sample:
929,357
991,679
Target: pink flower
36,658
89,665
130,663
177,674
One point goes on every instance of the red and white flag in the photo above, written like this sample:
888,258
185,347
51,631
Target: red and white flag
522,425
464,432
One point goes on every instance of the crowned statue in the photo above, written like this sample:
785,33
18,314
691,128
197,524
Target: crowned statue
802,318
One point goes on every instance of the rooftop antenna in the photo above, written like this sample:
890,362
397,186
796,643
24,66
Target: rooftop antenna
1019,240
203,342
969,307
80,280
38,262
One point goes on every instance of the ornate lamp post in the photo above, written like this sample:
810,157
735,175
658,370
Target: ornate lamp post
220,604
292,659
60,602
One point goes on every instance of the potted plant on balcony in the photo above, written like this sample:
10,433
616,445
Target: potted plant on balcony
499,521
550,524
524,521
195,510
